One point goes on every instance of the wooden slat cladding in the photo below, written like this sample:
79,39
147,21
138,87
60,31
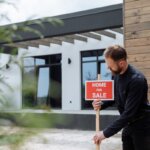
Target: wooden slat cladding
141,65
145,72
138,50
130,1
149,96
137,19
138,42
137,12
136,4
137,27
139,57
137,34
148,82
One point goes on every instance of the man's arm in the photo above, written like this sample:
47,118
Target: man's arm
132,104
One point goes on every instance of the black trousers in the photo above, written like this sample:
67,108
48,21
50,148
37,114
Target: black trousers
134,141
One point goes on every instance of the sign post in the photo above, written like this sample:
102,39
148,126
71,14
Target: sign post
99,90
98,121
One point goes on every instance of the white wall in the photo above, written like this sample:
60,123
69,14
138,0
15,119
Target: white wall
10,83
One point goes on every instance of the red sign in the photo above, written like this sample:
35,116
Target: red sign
103,90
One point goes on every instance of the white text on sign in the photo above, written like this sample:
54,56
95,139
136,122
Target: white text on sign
103,84
99,95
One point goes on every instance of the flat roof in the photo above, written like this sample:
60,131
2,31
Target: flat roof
78,22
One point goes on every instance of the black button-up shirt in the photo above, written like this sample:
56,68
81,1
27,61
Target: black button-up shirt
131,98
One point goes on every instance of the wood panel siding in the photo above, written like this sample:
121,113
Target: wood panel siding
142,64
138,50
139,57
137,35
137,26
137,12
138,42
137,19
136,4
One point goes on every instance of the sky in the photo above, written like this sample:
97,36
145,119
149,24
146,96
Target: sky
33,9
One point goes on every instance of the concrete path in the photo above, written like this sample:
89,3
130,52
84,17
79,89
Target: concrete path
60,139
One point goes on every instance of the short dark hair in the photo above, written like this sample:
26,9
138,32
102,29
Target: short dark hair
116,53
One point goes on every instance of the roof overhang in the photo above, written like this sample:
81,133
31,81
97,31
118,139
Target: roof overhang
77,25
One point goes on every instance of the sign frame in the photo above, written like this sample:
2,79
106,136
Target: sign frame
110,99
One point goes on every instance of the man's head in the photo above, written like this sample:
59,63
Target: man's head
116,59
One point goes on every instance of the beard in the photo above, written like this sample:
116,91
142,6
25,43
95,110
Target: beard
116,72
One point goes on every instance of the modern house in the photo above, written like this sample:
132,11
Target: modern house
56,66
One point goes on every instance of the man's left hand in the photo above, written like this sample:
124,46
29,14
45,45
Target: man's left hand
99,137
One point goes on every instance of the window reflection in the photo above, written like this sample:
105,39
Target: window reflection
43,86
39,61
89,58
29,87
105,72
93,63
89,71
55,86
101,58
28,61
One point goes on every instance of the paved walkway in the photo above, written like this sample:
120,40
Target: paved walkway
60,139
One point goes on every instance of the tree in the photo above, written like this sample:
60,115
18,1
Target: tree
31,120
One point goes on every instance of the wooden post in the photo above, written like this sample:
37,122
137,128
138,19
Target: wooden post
97,121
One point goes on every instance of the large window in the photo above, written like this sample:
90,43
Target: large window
42,81
92,64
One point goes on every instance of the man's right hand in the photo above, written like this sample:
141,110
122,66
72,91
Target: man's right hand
96,104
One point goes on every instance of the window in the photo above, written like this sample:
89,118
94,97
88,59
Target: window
28,88
92,64
42,81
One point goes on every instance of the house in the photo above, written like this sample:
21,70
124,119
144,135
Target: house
56,66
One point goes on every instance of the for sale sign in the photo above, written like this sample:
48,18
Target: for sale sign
103,90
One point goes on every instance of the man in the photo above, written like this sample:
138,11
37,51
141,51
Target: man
131,99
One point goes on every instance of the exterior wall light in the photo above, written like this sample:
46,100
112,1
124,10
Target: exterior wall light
69,61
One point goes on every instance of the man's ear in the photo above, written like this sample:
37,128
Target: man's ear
122,63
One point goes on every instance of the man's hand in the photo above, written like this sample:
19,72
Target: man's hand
99,137
96,104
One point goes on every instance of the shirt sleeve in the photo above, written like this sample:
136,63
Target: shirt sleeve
133,101
106,104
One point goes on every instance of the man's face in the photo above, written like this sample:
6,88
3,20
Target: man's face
115,67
